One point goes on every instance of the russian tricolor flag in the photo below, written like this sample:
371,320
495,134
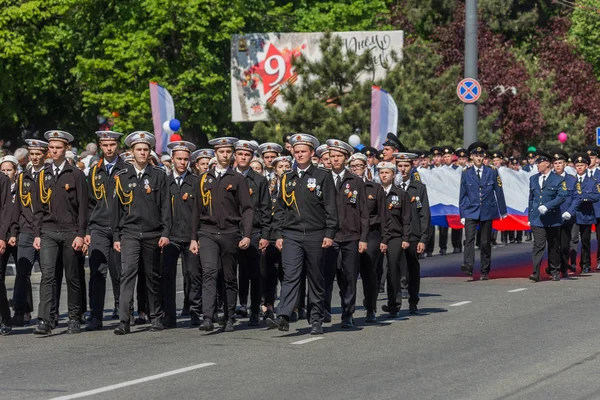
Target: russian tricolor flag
163,109
384,116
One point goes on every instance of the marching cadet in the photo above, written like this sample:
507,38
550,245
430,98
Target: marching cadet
223,207
419,228
61,219
27,185
250,258
547,191
531,157
391,146
369,259
272,266
306,222
481,201
594,172
9,209
586,194
200,159
102,204
269,151
183,190
342,258
322,152
143,224
395,235
559,162
463,158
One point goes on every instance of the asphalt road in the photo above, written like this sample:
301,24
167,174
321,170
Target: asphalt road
506,338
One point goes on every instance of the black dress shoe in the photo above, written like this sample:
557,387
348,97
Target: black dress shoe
5,329
94,325
157,325
206,325
347,323
385,308
280,323
413,309
327,317
253,321
242,312
534,278
442,252
122,329
229,327
140,321
269,314
74,326
317,328
42,328
294,316
301,313
18,319
484,277
169,322
194,320
555,276
468,270
371,317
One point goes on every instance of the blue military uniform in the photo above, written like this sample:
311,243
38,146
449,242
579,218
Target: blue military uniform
481,201
545,217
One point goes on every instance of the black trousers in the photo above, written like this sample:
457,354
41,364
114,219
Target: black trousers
271,272
541,236
26,255
140,253
456,237
300,252
190,269
219,255
430,240
565,245
585,259
53,246
443,239
342,259
575,243
4,307
409,262
103,260
368,270
394,256
57,288
485,246
250,275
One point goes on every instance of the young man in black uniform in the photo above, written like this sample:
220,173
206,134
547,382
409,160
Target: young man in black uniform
306,222
351,238
419,227
223,206
143,224
103,258
61,219
9,212
396,233
261,228
370,259
27,186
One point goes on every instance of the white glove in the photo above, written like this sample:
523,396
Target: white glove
542,209
503,216
462,221
566,216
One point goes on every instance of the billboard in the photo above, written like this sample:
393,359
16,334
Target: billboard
261,64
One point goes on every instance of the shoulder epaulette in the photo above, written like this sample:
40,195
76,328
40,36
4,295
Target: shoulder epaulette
324,169
121,172
161,169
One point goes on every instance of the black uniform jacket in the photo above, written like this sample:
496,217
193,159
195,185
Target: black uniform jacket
376,205
182,206
420,212
223,205
307,205
102,201
27,190
397,215
144,204
353,212
61,204
258,188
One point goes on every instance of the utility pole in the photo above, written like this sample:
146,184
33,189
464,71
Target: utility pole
471,58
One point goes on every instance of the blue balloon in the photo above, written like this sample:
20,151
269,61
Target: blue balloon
360,147
174,124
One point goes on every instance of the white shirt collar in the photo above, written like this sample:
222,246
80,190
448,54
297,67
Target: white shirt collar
61,167
137,171
407,182
176,175
243,172
387,189
341,174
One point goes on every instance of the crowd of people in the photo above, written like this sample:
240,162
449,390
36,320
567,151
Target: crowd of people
246,218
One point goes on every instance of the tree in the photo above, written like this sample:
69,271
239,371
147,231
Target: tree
585,31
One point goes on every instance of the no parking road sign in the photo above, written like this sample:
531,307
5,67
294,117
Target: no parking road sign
468,90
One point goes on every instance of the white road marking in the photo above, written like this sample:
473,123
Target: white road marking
181,291
517,290
460,303
130,383
308,340
391,321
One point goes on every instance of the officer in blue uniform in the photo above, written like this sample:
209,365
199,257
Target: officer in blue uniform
481,201
531,157
547,191
594,172
560,161
585,197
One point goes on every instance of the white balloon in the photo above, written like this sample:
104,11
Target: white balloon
354,140
166,128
